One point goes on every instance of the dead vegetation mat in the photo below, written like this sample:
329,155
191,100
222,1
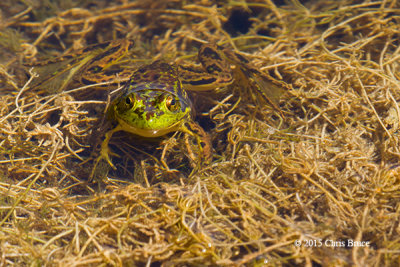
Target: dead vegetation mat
282,190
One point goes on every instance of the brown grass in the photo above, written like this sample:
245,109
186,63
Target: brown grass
325,174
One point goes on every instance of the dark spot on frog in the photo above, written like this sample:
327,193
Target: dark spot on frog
141,70
211,53
241,58
86,81
200,81
214,68
155,76
149,115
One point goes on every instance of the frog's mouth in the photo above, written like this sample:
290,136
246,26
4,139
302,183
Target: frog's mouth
149,132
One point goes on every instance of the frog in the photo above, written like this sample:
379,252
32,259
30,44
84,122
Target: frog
152,104
154,99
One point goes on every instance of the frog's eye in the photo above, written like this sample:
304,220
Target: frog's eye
130,101
171,103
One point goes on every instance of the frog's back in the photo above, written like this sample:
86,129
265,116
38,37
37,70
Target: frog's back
157,76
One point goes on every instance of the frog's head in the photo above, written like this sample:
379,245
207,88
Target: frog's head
150,110
153,102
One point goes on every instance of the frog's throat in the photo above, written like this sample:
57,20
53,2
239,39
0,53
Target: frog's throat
123,125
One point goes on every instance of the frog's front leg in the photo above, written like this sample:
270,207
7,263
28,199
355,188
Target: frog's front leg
203,141
105,151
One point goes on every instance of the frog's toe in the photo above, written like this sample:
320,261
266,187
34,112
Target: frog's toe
99,168
105,154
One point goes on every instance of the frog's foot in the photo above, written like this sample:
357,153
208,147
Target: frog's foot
105,154
203,140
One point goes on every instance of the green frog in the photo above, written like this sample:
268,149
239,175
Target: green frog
154,100
154,103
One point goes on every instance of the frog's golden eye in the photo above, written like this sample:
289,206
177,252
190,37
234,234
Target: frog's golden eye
130,101
171,103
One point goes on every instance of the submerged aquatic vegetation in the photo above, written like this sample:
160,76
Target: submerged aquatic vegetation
327,171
